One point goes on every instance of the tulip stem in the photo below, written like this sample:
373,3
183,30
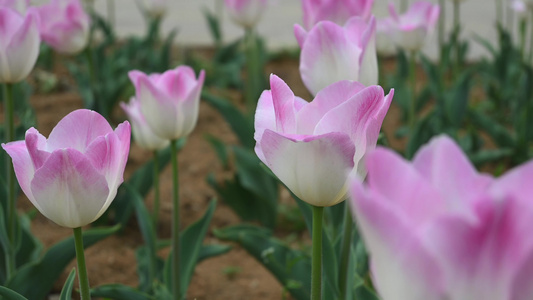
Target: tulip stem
345,251
316,260
412,104
155,212
82,269
442,27
531,40
11,200
456,28
253,70
499,15
175,222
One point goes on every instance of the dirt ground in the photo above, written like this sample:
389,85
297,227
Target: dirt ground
113,259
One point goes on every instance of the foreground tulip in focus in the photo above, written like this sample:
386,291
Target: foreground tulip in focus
312,147
336,11
437,229
73,176
142,134
332,53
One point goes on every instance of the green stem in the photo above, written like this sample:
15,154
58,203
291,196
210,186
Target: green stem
155,209
456,28
92,82
523,31
11,200
412,104
531,40
345,251
175,222
253,70
442,27
499,15
111,12
316,260
82,269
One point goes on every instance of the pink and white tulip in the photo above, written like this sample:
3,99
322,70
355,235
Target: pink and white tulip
246,13
412,27
170,101
437,229
142,134
337,11
19,45
385,45
64,25
73,176
332,53
313,147
19,5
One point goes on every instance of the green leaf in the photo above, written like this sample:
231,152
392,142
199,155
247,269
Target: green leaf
119,292
289,266
8,294
66,292
208,251
220,149
498,132
35,280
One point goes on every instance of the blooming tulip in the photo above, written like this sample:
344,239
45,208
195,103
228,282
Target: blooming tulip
64,25
331,53
312,147
72,176
436,229
169,101
246,13
142,134
337,11
412,27
19,45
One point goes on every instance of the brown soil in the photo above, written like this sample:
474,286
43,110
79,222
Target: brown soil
113,259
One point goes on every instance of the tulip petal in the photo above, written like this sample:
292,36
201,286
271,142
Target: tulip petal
23,165
35,142
522,289
401,266
191,105
301,34
9,22
77,130
286,105
314,168
516,182
69,190
446,167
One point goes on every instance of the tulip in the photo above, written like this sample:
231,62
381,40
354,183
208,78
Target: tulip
337,11
311,147
412,28
18,5
19,45
64,25
246,13
384,37
142,134
153,8
437,229
72,176
331,53
169,101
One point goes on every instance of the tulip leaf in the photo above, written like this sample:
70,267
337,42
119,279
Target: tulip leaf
190,247
8,294
220,149
288,265
119,292
66,292
36,279
208,251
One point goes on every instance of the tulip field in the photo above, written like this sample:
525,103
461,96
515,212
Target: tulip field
352,166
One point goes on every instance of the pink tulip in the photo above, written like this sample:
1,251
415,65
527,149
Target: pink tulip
72,176
142,134
437,229
331,53
337,11
19,45
64,25
412,28
246,13
169,101
312,147
19,5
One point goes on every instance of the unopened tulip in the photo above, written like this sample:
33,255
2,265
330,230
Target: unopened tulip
19,45
332,53
313,147
337,11
437,229
246,13
169,101
64,25
142,134
73,176
412,27
153,8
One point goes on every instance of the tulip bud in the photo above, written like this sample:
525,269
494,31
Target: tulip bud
246,13
336,11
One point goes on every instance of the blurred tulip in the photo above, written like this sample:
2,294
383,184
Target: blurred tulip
520,8
312,147
436,229
412,27
246,13
18,5
64,25
331,53
169,101
153,8
385,37
337,11
72,176
19,45
142,134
